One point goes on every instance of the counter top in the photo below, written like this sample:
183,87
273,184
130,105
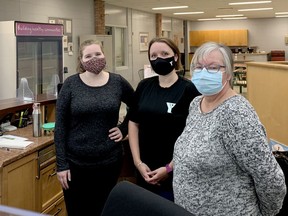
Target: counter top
250,54
15,104
270,64
10,155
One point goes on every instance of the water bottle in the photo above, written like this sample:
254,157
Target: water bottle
37,125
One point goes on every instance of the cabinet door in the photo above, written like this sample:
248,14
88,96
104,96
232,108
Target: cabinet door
212,35
50,188
227,37
58,208
234,37
19,183
197,38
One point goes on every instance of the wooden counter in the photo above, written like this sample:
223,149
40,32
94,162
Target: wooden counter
28,177
246,57
11,155
15,104
267,91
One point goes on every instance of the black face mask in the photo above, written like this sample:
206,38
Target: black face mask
163,66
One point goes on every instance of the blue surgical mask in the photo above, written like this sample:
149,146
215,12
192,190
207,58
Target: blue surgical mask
207,83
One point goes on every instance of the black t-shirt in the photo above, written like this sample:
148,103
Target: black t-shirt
161,114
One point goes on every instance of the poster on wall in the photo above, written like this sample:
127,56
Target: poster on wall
143,37
67,33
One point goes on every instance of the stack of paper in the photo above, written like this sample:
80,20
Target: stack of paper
11,141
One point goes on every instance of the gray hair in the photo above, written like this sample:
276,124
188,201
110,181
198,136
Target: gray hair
205,49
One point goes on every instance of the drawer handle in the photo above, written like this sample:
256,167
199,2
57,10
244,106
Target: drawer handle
38,168
58,211
52,174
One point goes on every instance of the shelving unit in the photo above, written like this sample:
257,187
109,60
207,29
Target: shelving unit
240,76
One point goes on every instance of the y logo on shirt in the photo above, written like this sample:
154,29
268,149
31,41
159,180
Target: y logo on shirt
170,107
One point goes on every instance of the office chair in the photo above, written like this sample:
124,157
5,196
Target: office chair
129,199
141,73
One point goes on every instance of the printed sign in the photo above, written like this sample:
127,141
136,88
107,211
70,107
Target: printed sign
38,29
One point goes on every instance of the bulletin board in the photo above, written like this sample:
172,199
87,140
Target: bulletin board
67,34
143,41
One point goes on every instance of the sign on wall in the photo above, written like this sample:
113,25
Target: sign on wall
143,37
67,34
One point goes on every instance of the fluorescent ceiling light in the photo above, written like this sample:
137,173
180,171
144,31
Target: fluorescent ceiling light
255,9
232,15
184,13
209,19
281,13
252,2
168,8
234,18
281,16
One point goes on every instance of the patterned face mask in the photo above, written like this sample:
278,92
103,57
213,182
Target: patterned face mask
94,65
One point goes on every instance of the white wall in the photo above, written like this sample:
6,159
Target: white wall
141,22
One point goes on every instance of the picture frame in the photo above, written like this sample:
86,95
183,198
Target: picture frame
67,34
143,39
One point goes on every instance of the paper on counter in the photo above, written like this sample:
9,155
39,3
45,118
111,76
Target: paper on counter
11,141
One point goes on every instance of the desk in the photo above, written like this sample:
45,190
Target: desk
267,92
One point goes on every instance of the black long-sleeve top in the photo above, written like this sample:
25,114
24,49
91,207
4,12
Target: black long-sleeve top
84,116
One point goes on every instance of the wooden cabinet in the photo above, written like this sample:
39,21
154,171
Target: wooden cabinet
227,37
19,183
31,183
48,189
28,177
57,208
199,37
234,37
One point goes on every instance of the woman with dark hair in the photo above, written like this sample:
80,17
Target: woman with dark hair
158,116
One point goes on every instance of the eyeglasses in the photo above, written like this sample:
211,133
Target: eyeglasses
210,68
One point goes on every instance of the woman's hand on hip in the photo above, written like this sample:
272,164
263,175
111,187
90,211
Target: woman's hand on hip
115,134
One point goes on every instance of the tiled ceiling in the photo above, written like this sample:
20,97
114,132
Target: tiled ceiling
211,8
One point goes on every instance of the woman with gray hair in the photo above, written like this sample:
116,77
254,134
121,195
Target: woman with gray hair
222,161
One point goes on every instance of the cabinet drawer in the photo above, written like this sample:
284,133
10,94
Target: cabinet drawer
56,209
51,189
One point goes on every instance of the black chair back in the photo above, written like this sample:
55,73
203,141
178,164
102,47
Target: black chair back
128,199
